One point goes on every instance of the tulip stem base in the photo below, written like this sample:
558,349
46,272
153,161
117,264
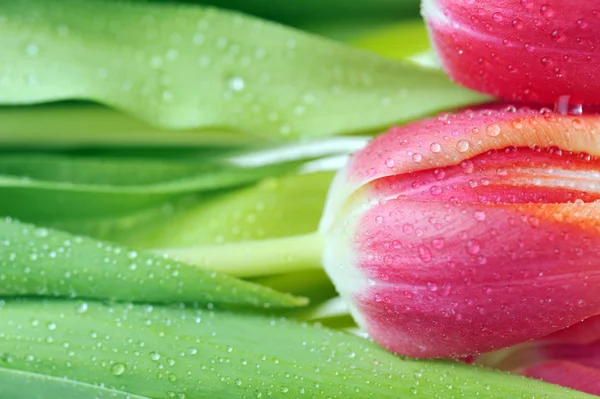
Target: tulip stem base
256,258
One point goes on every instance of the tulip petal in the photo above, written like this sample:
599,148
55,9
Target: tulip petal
445,283
519,49
582,333
567,374
450,139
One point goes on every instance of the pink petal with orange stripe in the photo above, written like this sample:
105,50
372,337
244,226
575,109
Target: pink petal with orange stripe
469,232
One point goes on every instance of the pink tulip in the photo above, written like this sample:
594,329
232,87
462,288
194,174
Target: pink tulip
520,49
469,232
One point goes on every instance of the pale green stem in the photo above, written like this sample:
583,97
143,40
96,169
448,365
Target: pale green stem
255,258
357,331
334,307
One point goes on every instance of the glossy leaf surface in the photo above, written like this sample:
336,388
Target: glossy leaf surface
184,67
40,261
205,354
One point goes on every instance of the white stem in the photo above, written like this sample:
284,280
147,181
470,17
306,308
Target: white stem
334,307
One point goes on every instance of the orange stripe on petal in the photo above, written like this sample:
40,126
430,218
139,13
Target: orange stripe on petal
451,138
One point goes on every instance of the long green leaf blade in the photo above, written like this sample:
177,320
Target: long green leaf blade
15,384
49,187
161,353
82,124
185,67
40,261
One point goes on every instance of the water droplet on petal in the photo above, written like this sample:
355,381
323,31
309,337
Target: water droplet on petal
473,247
425,254
463,145
435,147
493,130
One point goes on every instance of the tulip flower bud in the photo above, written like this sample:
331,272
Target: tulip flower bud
469,232
519,49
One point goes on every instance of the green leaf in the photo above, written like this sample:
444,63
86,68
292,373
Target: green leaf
313,284
261,230
164,352
17,384
185,67
276,207
328,10
40,261
385,41
49,187
74,125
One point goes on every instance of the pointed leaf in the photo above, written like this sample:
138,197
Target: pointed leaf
78,124
186,67
164,352
37,187
40,261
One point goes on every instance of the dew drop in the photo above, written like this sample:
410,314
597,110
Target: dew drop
473,247
198,39
192,351
172,55
435,190
577,124
32,50
493,130
435,148
156,62
82,308
432,287
546,10
438,243
463,145
425,254
117,369
204,61
236,83
416,157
